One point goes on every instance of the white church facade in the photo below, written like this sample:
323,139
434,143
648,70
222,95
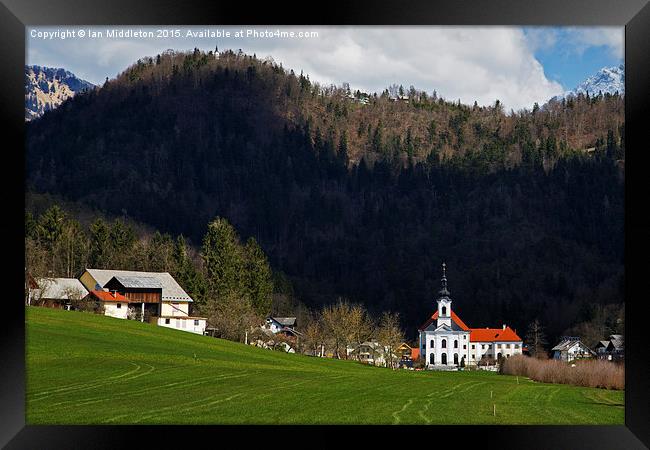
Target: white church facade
446,342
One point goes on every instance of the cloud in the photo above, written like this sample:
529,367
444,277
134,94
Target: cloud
480,64
610,37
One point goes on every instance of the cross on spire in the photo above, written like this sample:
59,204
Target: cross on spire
444,290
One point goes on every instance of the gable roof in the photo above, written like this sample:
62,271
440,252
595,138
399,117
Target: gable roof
566,344
493,335
137,282
454,318
58,288
108,296
171,290
415,353
285,321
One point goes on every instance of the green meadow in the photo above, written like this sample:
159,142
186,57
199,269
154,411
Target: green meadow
90,369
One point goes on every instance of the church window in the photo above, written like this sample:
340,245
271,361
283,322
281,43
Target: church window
433,343
444,310
455,343
456,358
444,343
432,358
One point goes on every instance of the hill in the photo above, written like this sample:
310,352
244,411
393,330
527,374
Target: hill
354,194
46,88
89,369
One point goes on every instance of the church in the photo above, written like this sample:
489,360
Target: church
446,342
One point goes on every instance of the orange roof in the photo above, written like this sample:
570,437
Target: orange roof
109,296
454,317
415,353
493,334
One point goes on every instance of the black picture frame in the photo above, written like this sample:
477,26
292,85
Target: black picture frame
15,15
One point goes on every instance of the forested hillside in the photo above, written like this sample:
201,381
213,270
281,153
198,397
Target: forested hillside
358,195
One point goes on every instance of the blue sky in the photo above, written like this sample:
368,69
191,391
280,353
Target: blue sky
571,54
518,66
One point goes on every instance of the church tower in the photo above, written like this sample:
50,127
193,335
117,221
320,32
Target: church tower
444,300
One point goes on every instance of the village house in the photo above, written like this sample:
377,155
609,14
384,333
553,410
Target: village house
114,303
570,348
611,350
447,343
154,297
55,292
277,331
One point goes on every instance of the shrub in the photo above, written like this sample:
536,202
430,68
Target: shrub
588,373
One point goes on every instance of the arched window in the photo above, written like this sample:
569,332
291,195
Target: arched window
433,343
456,359
455,343
444,310
432,358
444,359
444,343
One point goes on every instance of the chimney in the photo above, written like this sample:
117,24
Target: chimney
504,326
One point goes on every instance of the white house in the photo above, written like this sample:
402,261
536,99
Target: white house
173,303
570,349
446,342
115,304
278,324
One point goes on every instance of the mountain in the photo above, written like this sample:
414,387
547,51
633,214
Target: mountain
46,88
606,80
362,200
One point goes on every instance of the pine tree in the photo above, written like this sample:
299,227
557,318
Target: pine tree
223,260
259,280
99,257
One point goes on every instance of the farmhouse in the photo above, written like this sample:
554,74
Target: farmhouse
446,342
114,303
612,350
570,348
154,297
55,292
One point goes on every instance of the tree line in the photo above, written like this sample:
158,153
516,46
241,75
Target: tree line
353,200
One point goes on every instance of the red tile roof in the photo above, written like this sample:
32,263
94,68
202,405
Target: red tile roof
109,296
454,317
493,335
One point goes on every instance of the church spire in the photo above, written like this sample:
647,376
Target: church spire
444,292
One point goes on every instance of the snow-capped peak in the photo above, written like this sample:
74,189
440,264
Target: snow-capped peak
606,80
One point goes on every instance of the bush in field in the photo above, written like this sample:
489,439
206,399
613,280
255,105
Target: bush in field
588,373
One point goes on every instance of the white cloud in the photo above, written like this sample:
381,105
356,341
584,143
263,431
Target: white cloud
466,63
610,37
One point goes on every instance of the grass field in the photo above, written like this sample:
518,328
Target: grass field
89,369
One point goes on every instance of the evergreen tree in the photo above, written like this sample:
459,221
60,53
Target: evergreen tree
223,260
100,244
259,280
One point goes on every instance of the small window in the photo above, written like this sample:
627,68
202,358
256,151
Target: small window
464,347
167,321
507,345
473,346
119,306
444,343
516,345
482,346
455,343
196,323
